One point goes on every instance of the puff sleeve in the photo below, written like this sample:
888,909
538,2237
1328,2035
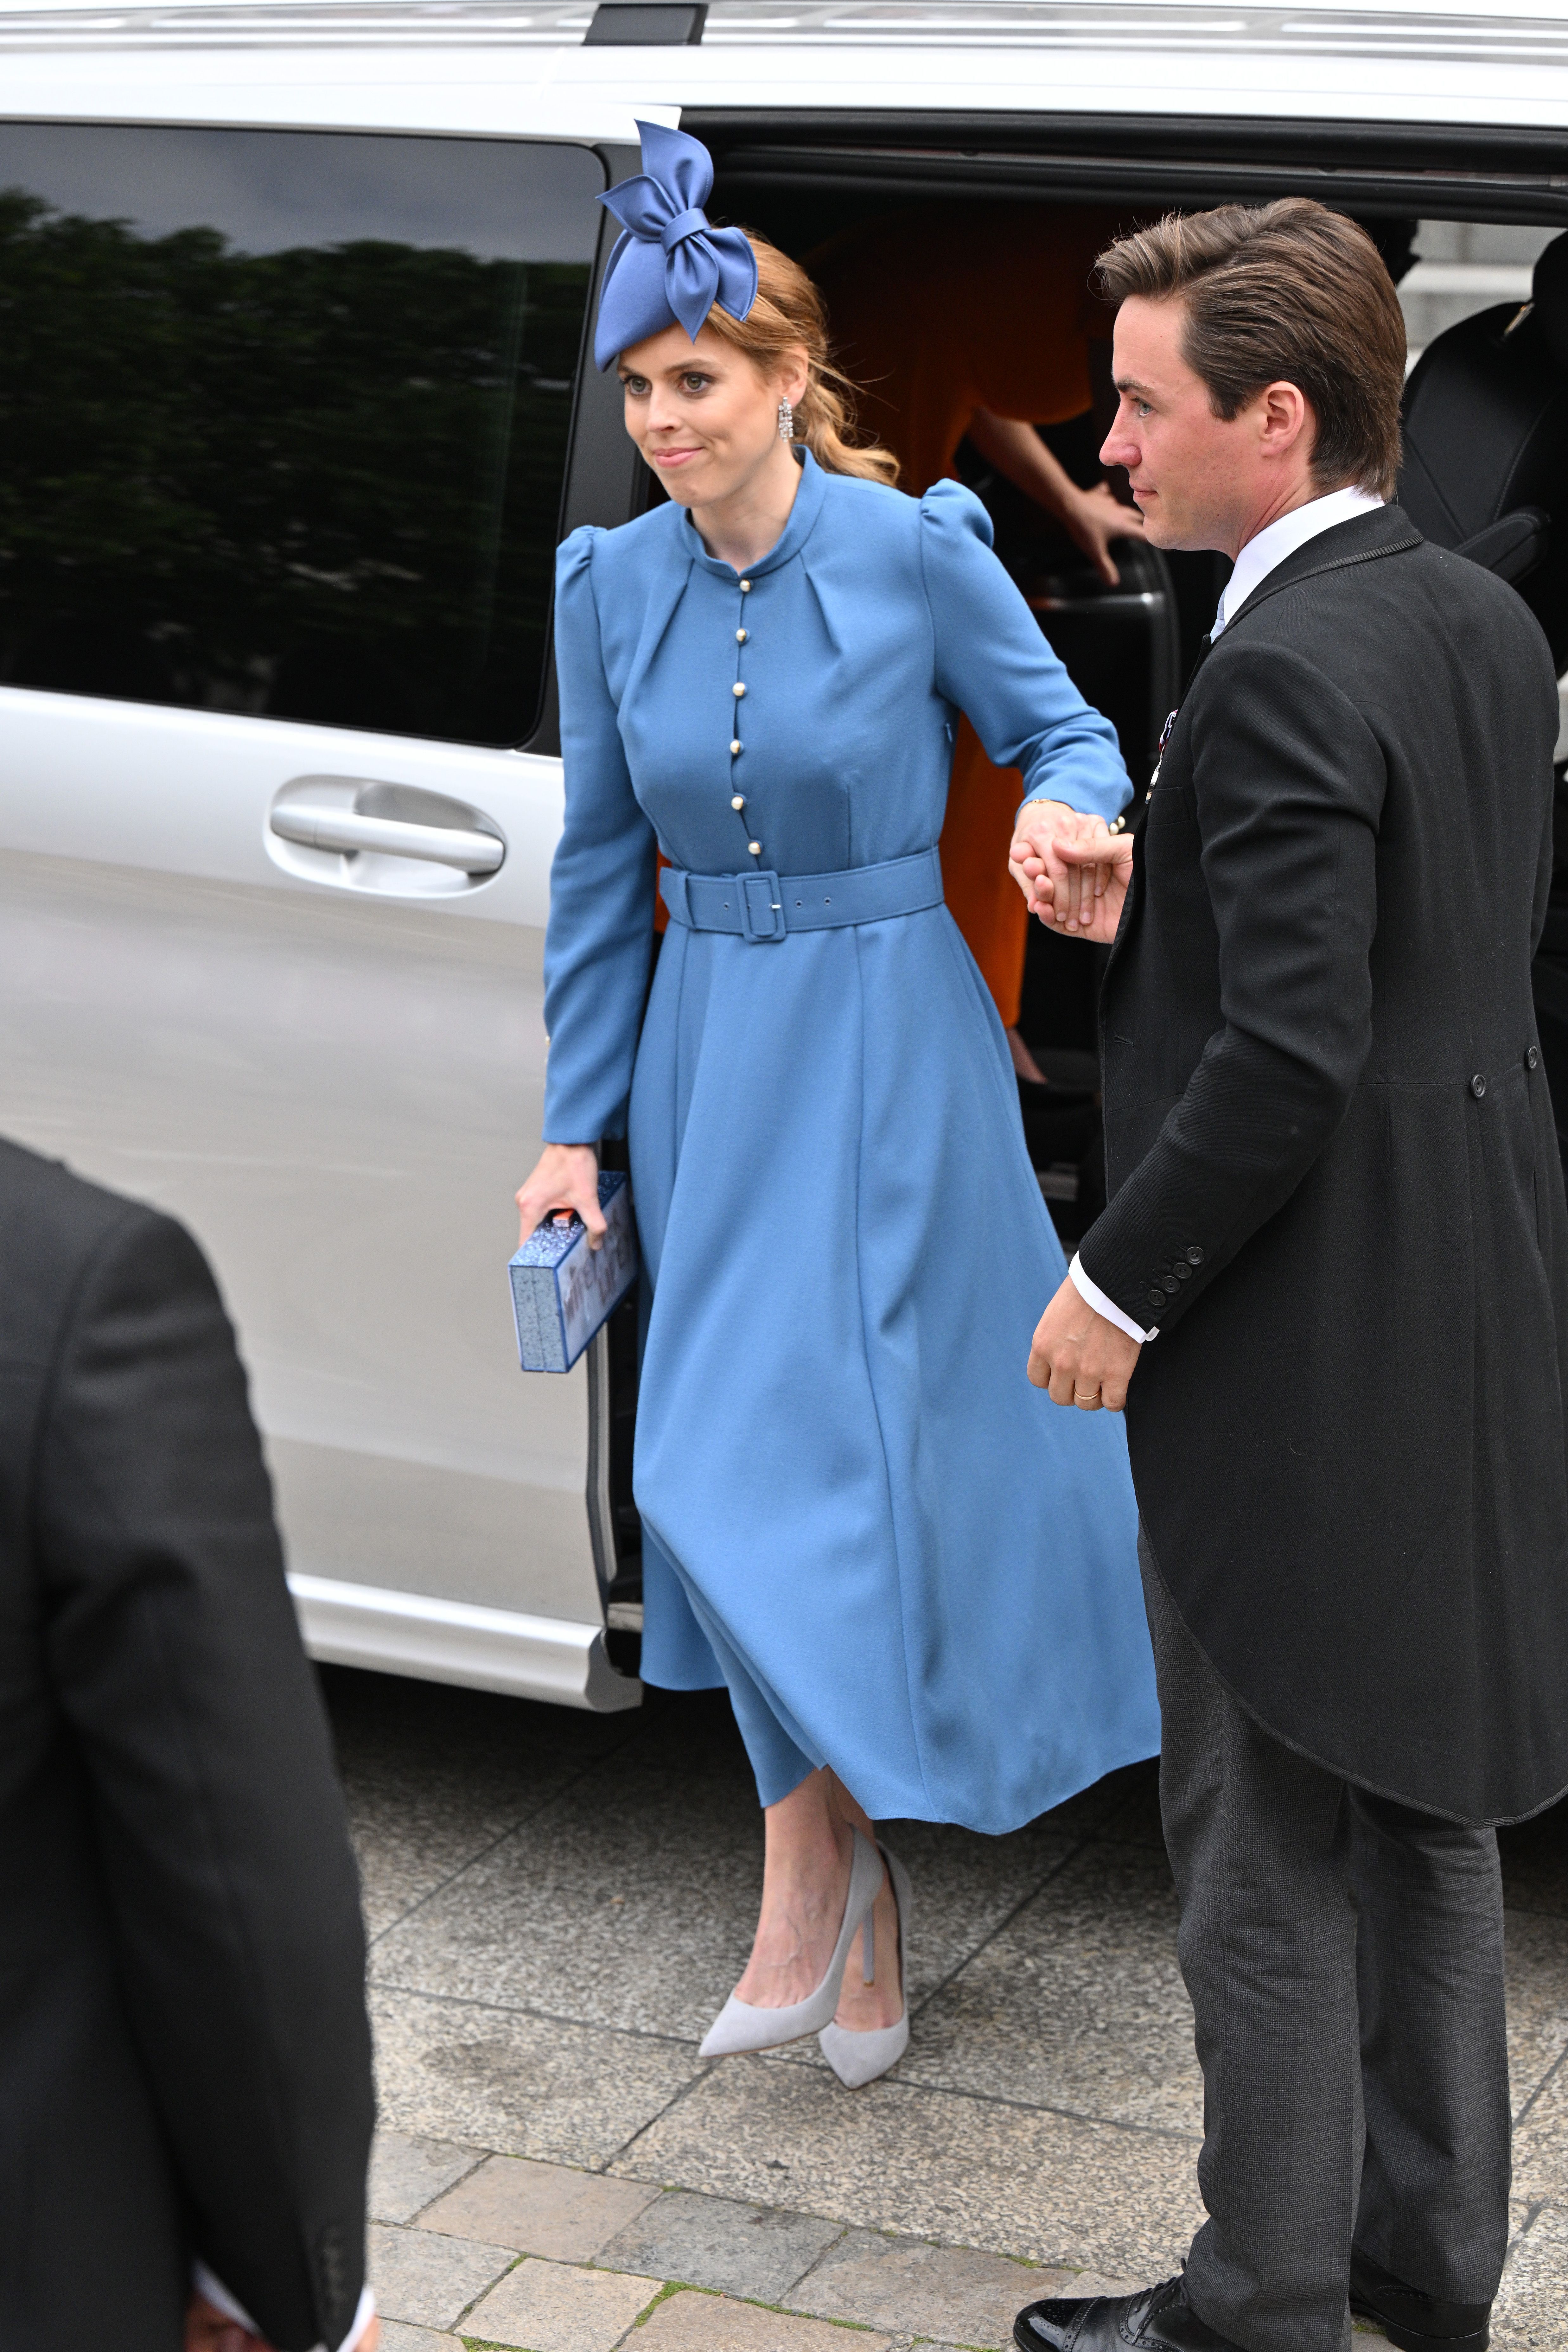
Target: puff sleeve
600,936
994,664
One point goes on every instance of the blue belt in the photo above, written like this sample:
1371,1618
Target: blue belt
765,906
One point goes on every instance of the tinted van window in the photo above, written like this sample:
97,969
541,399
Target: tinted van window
283,419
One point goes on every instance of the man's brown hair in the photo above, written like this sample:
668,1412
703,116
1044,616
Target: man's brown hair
1284,292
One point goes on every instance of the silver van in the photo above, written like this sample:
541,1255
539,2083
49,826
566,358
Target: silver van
294,408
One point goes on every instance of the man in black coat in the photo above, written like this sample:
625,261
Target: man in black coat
184,2059
1331,1289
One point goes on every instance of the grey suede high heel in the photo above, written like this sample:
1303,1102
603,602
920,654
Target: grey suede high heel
859,2058
741,2026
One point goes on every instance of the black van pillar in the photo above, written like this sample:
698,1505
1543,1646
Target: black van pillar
646,24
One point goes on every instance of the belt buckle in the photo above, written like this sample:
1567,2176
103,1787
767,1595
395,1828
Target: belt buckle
762,908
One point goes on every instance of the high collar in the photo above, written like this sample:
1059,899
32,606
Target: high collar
803,516
1264,553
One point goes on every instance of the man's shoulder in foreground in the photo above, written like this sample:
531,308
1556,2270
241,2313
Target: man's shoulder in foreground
74,1245
55,1223
48,1193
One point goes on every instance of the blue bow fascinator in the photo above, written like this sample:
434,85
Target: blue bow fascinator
669,266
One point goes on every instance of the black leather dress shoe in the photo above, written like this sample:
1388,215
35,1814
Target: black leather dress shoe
1160,2319
1413,2320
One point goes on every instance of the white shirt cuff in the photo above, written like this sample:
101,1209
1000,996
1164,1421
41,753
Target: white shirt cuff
218,2296
1096,1298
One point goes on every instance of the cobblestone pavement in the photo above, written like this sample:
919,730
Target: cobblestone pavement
558,1904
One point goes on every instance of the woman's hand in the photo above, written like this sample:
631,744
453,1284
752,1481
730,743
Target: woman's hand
567,1177
1093,519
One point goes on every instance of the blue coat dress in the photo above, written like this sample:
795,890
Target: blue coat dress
904,1560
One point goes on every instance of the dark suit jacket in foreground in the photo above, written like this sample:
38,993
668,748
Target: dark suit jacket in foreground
185,2062
1335,1185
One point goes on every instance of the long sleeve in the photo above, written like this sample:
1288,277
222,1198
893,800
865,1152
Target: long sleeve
600,939
994,664
233,1900
1289,781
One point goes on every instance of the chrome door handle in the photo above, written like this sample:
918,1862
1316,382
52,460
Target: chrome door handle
344,829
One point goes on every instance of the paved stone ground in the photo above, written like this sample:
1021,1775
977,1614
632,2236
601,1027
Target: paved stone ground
559,1903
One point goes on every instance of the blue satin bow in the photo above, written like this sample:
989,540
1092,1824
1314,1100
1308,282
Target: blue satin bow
669,266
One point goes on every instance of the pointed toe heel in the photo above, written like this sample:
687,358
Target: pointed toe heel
740,2026
859,2058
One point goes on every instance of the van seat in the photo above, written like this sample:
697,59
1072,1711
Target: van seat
1486,434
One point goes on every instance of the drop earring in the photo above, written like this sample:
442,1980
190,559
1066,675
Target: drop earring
786,421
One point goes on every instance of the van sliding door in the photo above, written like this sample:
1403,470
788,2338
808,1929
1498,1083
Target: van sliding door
288,420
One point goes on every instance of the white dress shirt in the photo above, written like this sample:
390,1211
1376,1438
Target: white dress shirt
1257,561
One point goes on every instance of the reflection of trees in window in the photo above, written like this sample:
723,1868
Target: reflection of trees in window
323,484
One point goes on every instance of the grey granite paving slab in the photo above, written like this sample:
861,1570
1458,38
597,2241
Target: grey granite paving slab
612,1908
438,1777
523,2086
907,2343
965,1886
421,2276
637,1909
551,2307
1537,1967
932,2165
1530,2314
947,2292
406,2172
543,2209
692,2322
433,1775
1540,2146
757,2251
1078,2004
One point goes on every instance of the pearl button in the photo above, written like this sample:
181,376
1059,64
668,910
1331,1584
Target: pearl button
737,689
755,847
734,747
739,802
745,587
740,636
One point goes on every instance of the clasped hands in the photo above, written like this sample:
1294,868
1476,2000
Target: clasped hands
1071,868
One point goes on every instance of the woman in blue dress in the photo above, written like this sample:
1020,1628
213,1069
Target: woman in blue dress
917,1578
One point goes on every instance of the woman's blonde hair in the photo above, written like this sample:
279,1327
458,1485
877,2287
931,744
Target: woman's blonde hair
787,314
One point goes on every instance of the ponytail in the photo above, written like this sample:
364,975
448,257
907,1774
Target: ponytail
787,315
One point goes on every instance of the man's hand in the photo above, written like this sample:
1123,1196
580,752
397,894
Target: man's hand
1074,874
207,2329
1081,1358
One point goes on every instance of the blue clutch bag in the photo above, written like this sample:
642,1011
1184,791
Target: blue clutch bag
562,1291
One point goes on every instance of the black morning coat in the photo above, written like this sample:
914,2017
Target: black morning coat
185,2060
1335,1189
